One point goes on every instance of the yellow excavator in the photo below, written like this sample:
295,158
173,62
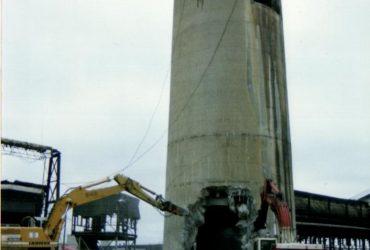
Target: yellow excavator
47,236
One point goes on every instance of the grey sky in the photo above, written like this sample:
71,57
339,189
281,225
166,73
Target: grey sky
85,77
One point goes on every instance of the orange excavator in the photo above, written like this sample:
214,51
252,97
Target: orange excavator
47,236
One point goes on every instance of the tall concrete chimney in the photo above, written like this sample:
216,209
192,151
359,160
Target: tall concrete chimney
229,124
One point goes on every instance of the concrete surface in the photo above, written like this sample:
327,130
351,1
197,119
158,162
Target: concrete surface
229,120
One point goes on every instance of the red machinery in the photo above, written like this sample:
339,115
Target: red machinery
272,197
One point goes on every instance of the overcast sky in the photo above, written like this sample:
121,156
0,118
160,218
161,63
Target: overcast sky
87,76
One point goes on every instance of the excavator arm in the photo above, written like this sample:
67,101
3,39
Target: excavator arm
145,194
76,197
48,235
272,197
82,195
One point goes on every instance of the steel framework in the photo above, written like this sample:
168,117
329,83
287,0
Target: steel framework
38,152
336,223
112,220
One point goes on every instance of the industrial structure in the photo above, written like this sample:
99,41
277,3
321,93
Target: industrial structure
228,123
32,197
333,222
21,202
228,140
44,233
112,219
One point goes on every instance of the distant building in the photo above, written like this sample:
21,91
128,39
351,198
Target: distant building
334,222
20,202
110,221
365,198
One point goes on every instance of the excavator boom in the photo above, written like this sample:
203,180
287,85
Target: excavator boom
48,235
145,194
272,197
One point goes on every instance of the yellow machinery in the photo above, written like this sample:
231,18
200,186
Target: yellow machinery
47,236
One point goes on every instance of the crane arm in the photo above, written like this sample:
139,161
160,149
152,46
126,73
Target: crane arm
145,194
82,195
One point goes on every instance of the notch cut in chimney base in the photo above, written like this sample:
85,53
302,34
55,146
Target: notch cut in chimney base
222,218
